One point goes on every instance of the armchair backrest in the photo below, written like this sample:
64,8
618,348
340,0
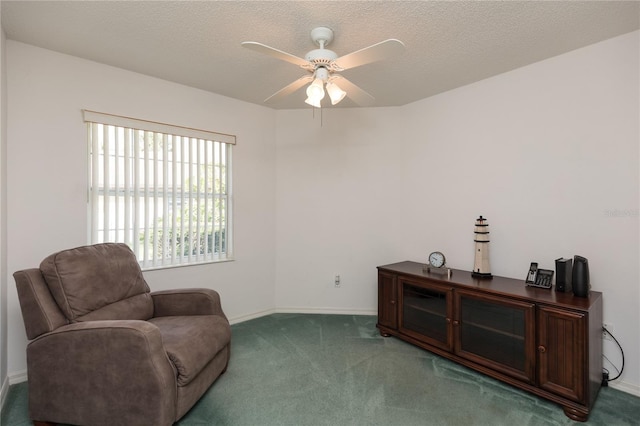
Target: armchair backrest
96,282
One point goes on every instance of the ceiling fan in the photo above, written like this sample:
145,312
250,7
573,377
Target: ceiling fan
323,67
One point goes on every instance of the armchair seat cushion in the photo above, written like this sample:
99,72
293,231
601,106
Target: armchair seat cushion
191,342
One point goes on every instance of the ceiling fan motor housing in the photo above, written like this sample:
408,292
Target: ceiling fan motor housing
321,57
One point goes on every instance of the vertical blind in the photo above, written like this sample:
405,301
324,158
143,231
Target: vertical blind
163,190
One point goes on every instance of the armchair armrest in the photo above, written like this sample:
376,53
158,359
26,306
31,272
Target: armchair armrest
82,373
189,301
40,312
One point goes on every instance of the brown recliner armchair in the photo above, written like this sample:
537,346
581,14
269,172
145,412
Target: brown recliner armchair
106,351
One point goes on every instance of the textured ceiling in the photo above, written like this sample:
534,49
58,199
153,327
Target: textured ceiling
197,43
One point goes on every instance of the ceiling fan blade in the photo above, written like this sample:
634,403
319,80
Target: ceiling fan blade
289,89
356,94
377,52
271,51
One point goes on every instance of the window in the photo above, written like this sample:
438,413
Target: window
163,190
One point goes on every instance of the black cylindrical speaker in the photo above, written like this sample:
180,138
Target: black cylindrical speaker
580,277
564,275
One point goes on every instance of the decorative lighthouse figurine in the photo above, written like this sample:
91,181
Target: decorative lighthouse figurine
481,268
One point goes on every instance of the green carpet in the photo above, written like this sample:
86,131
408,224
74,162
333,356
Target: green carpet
300,369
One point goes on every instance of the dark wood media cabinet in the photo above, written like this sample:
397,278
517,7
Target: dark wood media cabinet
539,340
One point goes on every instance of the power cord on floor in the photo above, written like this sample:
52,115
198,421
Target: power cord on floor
605,373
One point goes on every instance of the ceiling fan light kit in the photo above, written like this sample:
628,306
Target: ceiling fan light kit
315,93
324,65
336,94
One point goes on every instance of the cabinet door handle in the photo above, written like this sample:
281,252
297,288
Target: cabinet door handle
456,323
542,349
393,302
448,320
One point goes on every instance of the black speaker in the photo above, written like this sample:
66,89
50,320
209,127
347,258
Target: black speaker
580,276
564,275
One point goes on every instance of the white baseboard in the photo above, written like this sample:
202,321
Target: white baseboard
243,318
626,387
327,311
11,379
290,310
17,377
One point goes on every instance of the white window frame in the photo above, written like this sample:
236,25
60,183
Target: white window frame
142,193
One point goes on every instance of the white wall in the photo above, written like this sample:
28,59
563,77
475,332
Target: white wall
549,153
4,382
48,166
339,188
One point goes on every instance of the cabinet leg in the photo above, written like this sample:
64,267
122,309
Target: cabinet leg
382,333
573,414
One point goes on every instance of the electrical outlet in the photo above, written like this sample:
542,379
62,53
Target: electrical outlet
605,335
337,280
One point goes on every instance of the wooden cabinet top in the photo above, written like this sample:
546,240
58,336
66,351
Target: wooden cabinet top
497,285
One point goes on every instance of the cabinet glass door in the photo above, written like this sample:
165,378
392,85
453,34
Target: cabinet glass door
496,333
425,313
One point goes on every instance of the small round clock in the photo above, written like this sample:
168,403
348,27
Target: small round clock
436,259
